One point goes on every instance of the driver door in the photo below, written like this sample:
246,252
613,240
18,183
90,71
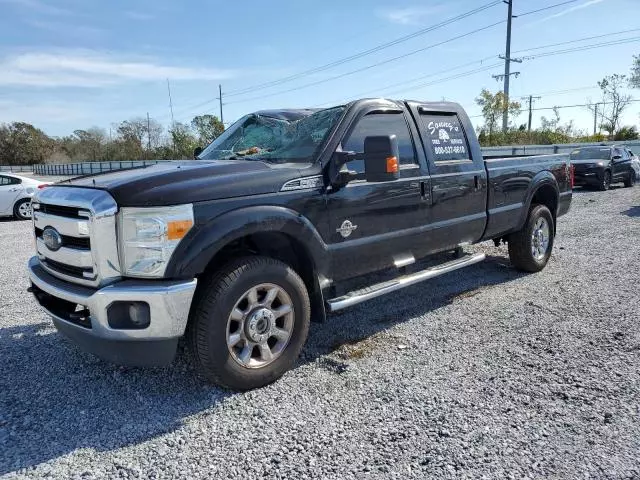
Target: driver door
376,225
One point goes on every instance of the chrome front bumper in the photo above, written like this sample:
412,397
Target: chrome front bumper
169,303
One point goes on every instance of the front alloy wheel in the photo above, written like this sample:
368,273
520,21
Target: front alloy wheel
249,322
260,326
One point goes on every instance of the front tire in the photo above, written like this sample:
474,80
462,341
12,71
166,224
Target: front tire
249,324
530,248
630,180
22,209
606,181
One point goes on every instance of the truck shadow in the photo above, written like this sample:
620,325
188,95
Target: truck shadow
54,399
632,212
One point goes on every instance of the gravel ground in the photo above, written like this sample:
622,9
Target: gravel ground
484,373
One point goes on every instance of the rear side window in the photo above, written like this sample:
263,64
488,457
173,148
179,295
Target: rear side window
445,136
380,124
9,181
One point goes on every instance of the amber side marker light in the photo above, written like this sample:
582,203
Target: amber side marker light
392,165
178,229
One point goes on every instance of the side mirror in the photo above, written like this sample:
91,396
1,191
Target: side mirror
616,157
381,158
197,151
339,175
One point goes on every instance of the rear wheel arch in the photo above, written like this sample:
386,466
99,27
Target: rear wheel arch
544,191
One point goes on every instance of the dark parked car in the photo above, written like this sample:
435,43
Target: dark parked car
242,248
603,165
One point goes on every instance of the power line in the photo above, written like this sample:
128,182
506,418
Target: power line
547,8
380,47
559,92
365,52
404,82
578,40
368,67
453,77
579,105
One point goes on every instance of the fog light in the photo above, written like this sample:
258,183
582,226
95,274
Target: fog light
129,315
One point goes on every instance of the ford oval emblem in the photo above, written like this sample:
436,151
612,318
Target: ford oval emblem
52,239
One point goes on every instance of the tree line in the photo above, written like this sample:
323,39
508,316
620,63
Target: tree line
607,112
135,139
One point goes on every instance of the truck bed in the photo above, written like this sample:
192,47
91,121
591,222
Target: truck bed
509,189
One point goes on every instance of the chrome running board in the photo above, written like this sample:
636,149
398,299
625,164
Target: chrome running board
367,293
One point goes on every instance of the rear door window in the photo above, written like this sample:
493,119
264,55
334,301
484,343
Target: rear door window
444,136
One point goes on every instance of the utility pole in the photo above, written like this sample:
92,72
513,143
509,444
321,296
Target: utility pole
530,100
170,102
220,98
173,124
595,120
148,134
507,67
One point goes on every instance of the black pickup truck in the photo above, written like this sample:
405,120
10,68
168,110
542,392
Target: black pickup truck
240,249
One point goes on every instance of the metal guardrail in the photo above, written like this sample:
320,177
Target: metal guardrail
16,168
89,168
551,149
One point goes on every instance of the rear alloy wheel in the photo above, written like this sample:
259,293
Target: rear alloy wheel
606,181
530,248
22,209
631,180
249,323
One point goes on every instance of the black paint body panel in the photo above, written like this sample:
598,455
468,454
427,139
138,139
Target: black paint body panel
353,229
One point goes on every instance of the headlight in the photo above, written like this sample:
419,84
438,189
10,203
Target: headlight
148,237
600,164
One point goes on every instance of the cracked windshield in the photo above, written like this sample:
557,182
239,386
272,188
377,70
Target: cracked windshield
260,137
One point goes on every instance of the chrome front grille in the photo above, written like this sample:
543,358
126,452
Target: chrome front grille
85,222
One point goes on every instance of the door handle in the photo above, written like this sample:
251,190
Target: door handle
424,194
476,182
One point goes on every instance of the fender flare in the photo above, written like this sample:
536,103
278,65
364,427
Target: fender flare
199,247
544,178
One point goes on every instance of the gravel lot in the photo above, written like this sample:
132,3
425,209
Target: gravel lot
484,373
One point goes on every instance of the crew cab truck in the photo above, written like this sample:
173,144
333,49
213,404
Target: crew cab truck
240,249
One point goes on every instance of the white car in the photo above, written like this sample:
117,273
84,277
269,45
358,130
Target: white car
15,195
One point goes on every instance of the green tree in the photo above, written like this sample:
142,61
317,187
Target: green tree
183,140
493,106
634,80
137,138
207,128
613,102
89,144
626,133
23,144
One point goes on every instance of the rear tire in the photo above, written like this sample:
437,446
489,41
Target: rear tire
606,181
530,248
630,180
238,335
22,209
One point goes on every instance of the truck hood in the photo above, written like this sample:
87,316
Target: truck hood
174,183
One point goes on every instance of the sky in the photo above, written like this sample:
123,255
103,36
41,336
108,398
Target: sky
73,64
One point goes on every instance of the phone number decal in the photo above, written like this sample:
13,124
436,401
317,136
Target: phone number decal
450,149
